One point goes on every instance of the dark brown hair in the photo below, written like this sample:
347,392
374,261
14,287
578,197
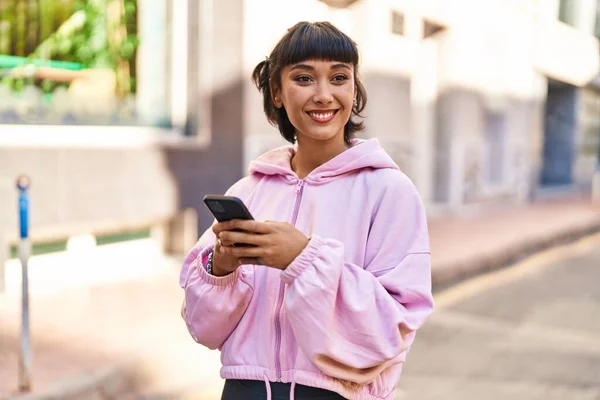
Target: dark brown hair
307,41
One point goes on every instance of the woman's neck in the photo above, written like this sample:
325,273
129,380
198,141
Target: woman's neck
311,154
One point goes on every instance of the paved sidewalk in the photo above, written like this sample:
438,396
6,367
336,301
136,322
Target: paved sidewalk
464,246
135,325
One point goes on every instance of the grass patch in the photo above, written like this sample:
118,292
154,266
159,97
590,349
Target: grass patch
122,237
61,245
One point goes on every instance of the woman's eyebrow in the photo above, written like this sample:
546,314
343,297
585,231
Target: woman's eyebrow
341,65
307,67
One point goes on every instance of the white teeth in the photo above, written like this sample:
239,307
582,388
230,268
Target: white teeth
322,116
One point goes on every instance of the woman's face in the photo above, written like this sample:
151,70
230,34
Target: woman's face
318,97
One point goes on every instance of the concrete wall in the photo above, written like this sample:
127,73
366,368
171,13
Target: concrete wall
587,138
87,185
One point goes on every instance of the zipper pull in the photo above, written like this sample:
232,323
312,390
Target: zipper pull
299,186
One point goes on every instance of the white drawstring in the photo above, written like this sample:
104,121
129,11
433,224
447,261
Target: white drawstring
268,384
292,390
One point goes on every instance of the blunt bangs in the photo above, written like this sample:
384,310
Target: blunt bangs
316,41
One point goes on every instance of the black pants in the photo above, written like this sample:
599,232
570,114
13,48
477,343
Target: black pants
236,389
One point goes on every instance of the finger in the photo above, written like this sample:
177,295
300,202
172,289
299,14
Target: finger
224,226
223,243
242,252
227,243
247,225
241,237
218,228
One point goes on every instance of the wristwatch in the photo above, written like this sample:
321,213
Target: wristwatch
209,263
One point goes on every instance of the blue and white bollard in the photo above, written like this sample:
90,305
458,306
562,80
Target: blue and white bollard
24,252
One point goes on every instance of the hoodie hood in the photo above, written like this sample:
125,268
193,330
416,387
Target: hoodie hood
362,154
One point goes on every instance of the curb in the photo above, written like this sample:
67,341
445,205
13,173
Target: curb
456,272
108,383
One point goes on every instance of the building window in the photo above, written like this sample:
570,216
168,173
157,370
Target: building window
84,62
597,26
495,149
397,22
431,28
564,11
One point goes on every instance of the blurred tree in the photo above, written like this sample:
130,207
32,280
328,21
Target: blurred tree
118,44
25,23
95,33
47,16
5,26
32,25
20,27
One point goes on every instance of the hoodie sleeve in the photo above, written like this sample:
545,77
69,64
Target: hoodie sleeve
213,306
354,321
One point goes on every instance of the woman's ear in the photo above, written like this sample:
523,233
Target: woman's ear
276,96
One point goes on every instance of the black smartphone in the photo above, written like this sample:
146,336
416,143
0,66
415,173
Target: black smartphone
226,208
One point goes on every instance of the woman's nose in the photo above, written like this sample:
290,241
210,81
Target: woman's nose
323,94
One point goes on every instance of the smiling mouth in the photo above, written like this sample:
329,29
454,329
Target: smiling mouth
322,116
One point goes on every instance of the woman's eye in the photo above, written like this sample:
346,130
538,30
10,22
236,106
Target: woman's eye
302,78
340,78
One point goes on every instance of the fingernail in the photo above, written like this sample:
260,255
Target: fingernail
222,249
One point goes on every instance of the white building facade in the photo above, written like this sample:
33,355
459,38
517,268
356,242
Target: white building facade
457,88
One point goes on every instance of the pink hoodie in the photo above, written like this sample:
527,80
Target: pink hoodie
343,314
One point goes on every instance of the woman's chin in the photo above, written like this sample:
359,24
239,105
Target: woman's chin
324,134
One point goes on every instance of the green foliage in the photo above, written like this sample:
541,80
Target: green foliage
26,23
80,31
84,38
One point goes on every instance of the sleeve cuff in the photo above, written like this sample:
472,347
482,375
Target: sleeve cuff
304,259
211,279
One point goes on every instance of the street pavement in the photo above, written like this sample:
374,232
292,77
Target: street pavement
534,337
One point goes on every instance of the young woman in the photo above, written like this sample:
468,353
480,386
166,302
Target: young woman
325,302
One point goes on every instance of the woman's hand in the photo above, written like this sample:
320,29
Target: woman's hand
223,264
274,244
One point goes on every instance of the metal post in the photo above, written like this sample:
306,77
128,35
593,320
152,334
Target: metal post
596,177
24,252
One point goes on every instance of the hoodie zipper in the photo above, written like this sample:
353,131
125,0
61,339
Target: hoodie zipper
299,190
